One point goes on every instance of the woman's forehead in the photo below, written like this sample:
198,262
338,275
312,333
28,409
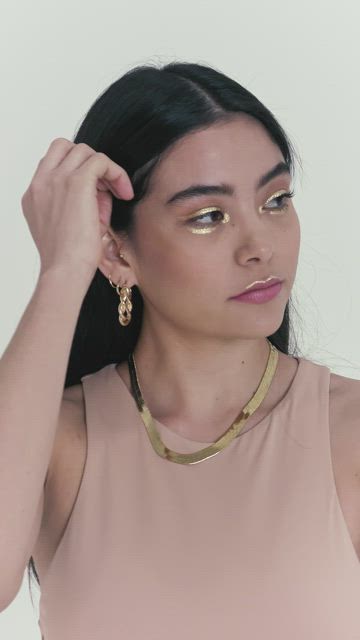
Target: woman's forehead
234,136
217,154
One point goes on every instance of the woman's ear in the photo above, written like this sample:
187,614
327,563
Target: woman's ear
112,264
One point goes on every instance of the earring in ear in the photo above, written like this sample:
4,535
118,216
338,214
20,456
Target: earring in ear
125,305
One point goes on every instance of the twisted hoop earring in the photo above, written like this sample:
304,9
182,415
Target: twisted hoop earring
125,305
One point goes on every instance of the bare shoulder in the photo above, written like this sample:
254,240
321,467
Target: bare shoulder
345,393
64,476
71,429
344,426
73,400
73,407
344,418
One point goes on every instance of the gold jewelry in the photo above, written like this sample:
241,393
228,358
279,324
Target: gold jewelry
224,440
125,305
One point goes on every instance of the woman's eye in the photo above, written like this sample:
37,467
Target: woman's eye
209,213
216,215
281,197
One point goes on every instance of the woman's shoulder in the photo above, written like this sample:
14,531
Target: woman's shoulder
345,389
344,419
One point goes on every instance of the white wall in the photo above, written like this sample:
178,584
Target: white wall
300,58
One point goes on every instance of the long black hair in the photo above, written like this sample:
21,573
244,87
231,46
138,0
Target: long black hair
133,122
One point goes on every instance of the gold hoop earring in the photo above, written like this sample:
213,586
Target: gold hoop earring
125,305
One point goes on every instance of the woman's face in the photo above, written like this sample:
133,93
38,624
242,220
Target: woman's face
186,278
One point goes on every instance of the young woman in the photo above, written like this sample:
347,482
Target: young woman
171,466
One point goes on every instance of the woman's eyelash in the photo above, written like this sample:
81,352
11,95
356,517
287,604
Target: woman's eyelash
287,194
282,196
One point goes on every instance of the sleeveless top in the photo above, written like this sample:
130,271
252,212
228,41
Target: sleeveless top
251,543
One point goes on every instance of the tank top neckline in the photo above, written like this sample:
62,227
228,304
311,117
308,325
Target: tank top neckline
164,430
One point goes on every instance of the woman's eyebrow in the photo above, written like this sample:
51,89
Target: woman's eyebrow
223,188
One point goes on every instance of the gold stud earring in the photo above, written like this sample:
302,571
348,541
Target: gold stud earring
125,305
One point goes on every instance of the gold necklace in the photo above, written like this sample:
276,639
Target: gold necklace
224,440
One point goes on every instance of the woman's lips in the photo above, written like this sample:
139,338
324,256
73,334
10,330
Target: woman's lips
258,296
261,285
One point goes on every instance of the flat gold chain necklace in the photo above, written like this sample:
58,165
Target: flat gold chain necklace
224,440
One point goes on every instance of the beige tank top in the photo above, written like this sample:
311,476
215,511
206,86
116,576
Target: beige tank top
250,543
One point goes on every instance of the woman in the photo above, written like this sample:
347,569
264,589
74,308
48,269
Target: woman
190,490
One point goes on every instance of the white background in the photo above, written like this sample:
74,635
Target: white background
300,58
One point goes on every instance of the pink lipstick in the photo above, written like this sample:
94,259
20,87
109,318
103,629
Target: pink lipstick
258,296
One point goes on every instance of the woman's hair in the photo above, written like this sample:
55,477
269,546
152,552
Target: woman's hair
136,119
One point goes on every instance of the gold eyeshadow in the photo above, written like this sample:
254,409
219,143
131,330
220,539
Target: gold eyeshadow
277,194
205,211
282,193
